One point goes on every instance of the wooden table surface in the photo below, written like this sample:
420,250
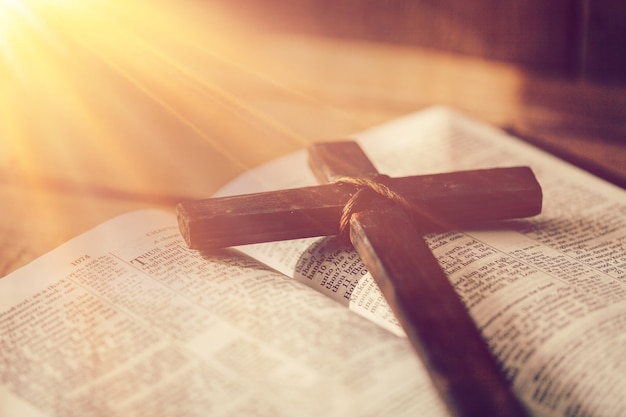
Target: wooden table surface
103,112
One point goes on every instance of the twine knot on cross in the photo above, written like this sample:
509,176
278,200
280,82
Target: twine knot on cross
424,301
377,186
368,188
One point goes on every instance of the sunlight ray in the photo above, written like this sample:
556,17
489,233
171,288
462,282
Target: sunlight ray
170,65
97,78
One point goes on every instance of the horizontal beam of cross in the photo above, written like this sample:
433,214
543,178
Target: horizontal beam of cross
435,320
458,198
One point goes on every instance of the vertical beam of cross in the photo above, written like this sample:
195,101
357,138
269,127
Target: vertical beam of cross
436,322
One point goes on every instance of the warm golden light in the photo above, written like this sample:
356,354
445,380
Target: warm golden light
119,87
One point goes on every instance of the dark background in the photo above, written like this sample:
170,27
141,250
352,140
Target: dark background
581,39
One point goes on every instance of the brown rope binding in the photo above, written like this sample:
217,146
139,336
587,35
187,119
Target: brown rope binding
370,187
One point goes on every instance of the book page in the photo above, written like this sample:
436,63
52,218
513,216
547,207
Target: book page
126,321
548,293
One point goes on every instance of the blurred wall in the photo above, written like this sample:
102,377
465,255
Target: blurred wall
574,38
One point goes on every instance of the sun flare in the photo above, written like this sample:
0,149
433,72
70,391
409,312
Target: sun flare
92,74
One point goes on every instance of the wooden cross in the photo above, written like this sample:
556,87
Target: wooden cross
390,244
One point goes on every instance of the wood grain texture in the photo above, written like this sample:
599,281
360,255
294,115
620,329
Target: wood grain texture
603,56
434,318
458,198
158,111
332,161
532,33
571,38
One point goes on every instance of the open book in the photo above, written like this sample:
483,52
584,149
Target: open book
126,321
